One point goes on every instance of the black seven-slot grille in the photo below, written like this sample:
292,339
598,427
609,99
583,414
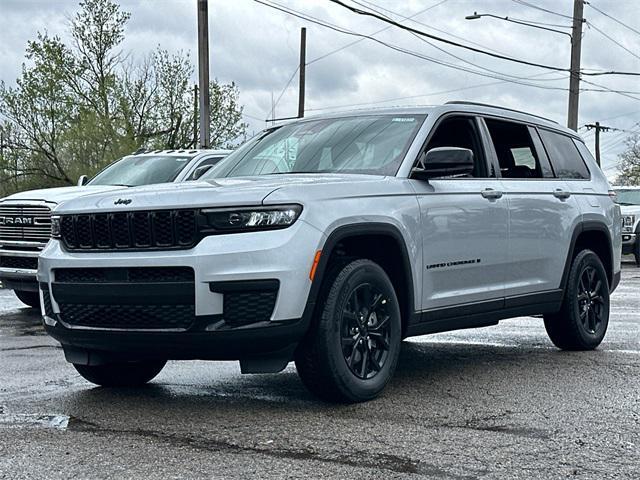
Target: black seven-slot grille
136,298
139,230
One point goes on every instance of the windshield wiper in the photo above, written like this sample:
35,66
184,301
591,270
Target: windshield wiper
120,185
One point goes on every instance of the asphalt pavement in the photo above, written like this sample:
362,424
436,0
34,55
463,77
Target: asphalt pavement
496,402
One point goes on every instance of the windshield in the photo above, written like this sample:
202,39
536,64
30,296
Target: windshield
372,145
136,170
628,197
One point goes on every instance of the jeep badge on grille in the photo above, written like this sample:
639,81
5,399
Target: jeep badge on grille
122,201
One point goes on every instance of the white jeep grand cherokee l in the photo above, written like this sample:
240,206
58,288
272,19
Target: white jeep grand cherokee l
25,217
328,240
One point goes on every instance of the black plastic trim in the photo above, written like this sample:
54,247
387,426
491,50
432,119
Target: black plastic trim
159,293
485,313
19,283
582,227
268,285
265,341
358,229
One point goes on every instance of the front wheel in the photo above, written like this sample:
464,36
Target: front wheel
129,374
583,319
28,298
352,350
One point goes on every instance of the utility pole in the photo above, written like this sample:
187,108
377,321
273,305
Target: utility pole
574,81
195,116
303,61
203,71
598,128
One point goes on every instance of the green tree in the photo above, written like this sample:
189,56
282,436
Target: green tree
629,168
78,106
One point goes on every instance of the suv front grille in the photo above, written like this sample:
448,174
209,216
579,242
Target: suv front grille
30,223
142,230
128,275
142,317
134,298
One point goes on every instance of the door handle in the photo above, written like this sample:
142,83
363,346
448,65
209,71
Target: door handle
491,194
561,194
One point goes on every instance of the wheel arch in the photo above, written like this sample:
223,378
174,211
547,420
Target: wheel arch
597,237
401,275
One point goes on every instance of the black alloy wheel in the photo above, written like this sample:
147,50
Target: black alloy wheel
366,331
582,321
353,345
590,300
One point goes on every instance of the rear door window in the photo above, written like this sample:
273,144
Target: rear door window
516,151
564,155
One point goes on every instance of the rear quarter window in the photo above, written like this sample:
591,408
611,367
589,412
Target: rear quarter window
564,156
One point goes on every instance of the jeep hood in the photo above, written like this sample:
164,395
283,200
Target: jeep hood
219,192
59,194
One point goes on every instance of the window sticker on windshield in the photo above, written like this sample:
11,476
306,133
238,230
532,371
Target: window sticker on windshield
404,119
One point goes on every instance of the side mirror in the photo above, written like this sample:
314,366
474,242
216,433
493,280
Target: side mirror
444,162
200,171
83,180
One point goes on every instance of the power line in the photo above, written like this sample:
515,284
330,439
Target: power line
607,89
604,34
374,33
444,40
284,89
612,18
409,97
430,27
467,47
447,52
514,80
526,4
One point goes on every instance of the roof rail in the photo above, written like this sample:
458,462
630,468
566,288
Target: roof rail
476,104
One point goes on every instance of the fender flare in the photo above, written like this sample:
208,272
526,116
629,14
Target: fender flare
358,229
582,227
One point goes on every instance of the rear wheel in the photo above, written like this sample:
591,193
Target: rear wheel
130,374
352,351
28,298
583,319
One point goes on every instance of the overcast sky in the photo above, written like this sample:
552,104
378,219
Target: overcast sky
257,47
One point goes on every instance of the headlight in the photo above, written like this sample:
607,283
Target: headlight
229,220
55,226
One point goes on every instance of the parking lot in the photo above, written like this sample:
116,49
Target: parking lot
498,402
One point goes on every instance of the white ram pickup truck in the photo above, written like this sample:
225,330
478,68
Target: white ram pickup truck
25,217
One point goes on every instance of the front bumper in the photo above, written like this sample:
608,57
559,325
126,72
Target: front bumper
16,270
282,256
628,243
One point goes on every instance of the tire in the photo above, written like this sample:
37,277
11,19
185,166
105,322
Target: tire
28,298
132,374
583,319
636,252
348,357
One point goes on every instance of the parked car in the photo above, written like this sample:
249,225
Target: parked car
629,200
25,218
328,240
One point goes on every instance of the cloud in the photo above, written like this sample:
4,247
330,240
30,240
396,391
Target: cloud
257,47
